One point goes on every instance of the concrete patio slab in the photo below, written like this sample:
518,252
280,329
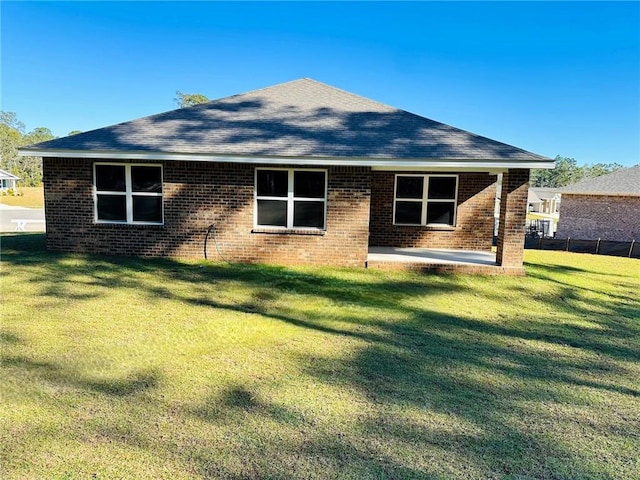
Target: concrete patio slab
431,255
438,261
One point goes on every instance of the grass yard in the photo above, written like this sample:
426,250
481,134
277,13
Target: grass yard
31,197
131,368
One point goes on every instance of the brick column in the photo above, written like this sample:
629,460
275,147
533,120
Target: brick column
513,212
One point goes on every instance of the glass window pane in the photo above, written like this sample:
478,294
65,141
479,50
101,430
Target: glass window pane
147,209
308,184
441,188
440,212
308,214
110,178
409,212
272,212
112,208
409,187
272,183
146,179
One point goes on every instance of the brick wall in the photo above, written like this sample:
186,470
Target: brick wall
475,216
513,213
197,195
589,217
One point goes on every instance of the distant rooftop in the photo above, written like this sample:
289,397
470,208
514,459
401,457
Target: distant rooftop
622,182
4,175
301,118
542,193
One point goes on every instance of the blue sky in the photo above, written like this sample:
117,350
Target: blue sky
553,78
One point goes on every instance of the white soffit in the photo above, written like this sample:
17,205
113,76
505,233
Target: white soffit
375,163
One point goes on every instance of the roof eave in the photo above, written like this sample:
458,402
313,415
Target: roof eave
375,162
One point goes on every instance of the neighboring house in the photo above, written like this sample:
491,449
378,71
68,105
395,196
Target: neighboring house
544,200
606,207
296,173
7,181
544,205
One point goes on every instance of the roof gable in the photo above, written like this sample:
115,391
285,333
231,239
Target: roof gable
544,193
8,176
624,182
301,118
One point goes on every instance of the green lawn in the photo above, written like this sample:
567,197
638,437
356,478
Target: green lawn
132,368
31,197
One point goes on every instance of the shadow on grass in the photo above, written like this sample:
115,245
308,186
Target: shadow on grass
237,402
549,273
10,338
485,374
134,383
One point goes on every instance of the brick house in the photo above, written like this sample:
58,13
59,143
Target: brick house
605,207
296,173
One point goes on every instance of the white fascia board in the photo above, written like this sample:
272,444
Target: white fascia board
375,163
440,168
496,166
8,176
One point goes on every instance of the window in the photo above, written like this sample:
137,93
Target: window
425,200
289,198
128,193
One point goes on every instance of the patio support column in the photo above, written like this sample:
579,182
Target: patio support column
513,212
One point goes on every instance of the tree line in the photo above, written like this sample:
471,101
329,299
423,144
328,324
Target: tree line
12,136
567,172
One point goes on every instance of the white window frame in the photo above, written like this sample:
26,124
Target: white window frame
128,193
425,200
290,199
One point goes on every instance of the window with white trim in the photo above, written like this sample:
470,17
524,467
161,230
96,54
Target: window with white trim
425,199
291,198
128,193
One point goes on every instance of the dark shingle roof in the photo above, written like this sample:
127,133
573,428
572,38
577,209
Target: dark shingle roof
298,118
622,182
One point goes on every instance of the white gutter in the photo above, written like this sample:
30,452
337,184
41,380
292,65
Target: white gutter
375,163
